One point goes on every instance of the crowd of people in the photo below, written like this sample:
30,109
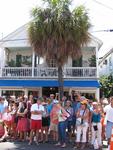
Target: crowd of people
40,120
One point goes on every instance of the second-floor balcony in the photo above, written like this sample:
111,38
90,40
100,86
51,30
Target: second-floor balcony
47,72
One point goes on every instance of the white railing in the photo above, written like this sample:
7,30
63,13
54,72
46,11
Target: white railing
47,72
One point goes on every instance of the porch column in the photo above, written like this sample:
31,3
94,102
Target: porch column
26,92
97,94
2,59
97,59
33,63
0,92
40,92
0,71
70,93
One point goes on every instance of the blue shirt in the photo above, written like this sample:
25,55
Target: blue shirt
96,117
1,108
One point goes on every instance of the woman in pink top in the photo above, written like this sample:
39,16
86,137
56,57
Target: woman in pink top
54,122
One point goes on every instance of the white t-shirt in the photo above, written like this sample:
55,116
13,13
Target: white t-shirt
109,113
36,107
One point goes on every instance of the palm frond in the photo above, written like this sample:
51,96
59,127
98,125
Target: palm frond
57,32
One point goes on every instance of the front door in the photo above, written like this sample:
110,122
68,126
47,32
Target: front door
46,91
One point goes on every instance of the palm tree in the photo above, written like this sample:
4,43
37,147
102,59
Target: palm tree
58,32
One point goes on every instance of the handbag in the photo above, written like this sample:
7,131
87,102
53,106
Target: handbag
78,121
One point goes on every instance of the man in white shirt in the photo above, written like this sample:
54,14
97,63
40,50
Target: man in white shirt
109,119
36,118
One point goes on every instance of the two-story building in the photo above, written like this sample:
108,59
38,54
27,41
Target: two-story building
106,63
23,71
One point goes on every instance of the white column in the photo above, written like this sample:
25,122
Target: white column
97,94
40,92
26,92
33,63
70,92
0,71
2,59
97,60
0,92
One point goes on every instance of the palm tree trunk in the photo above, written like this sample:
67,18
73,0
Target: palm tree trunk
60,82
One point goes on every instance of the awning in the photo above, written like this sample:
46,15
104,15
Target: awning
48,83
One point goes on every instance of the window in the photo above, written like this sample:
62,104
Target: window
105,62
77,62
110,63
52,63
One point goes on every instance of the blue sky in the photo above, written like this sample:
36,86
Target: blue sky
15,13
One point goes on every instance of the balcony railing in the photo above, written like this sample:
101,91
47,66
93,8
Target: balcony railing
47,72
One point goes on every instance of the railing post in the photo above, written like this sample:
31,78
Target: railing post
0,92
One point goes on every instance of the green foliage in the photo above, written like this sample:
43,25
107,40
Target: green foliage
106,86
92,61
56,32
11,63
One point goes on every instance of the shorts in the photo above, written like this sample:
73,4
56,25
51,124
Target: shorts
35,124
109,126
53,127
45,121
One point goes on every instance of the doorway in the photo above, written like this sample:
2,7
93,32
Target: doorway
46,91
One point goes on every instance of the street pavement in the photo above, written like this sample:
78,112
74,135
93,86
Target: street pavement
25,146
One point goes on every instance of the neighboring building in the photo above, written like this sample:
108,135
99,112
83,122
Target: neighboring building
21,70
106,63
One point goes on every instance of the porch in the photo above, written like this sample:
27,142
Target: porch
47,72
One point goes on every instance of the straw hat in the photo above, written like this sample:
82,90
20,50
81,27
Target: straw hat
84,102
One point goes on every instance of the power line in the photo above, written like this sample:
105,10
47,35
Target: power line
108,30
106,6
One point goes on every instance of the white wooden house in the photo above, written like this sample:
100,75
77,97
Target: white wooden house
22,70
106,63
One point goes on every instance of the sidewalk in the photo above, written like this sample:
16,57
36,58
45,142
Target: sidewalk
25,146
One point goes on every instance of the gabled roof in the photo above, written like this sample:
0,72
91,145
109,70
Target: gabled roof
106,55
16,32
20,35
97,40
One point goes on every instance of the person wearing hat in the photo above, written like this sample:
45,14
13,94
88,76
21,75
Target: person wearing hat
82,124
